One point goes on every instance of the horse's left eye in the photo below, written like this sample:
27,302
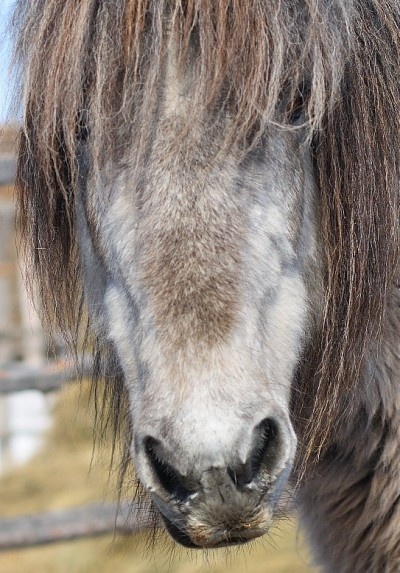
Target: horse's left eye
296,111
296,115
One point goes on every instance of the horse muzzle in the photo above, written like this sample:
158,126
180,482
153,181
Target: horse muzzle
220,506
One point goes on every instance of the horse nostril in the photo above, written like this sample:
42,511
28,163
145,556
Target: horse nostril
169,478
263,454
266,447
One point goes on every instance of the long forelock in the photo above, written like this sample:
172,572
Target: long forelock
104,62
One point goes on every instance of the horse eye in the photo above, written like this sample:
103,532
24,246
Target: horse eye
296,114
297,108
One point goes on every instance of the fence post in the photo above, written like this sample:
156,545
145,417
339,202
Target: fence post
8,313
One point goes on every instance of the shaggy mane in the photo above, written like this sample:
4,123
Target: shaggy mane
90,73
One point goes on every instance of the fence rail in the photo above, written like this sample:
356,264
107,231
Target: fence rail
69,524
17,377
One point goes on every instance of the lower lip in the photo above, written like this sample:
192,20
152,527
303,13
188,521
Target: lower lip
181,537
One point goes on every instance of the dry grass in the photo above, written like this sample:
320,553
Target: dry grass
59,477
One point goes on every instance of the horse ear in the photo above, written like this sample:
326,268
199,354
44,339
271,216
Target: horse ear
358,165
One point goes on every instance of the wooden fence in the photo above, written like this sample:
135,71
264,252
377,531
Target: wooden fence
90,520
68,524
19,377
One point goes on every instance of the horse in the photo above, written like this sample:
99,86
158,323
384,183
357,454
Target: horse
208,196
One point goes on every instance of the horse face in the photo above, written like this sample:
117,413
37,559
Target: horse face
197,268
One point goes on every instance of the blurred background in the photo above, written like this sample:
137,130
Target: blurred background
57,496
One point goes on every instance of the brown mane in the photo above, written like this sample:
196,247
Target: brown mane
90,66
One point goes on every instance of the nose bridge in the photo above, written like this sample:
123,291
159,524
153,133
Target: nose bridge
190,264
